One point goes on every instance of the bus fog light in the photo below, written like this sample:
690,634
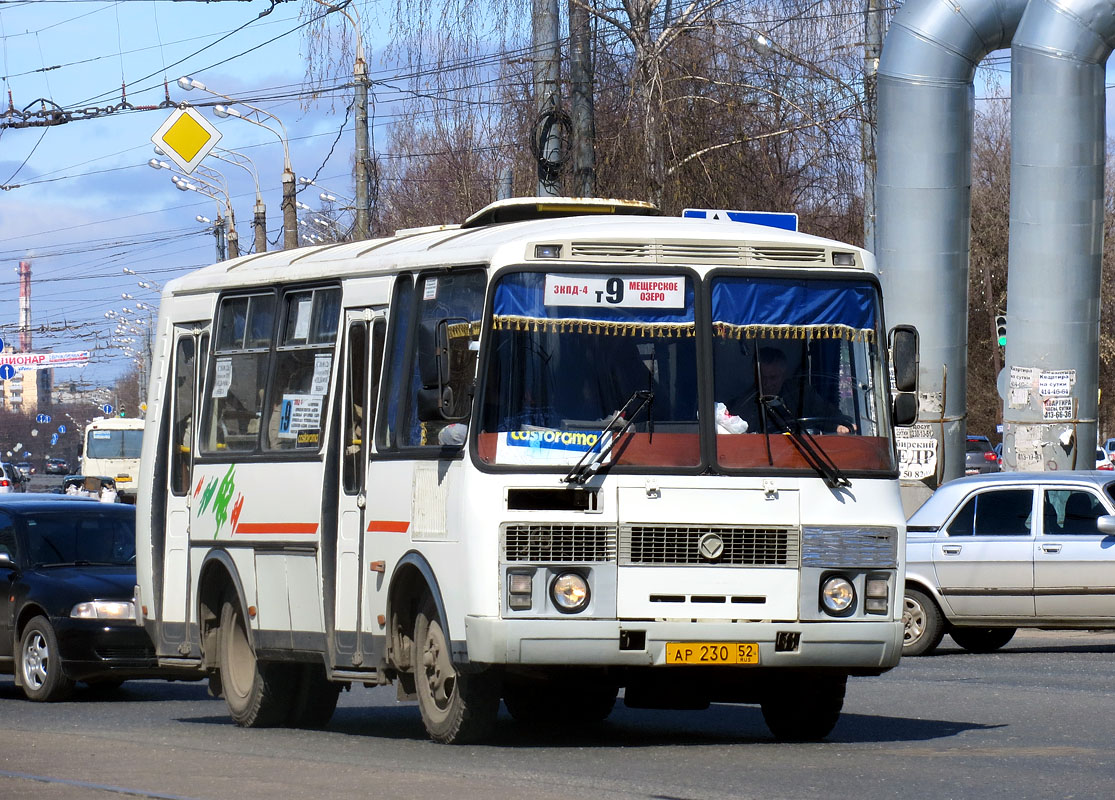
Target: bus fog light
876,587
520,591
569,591
875,605
838,596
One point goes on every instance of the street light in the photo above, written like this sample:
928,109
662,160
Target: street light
360,78
209,190
216,182
255,116
259,217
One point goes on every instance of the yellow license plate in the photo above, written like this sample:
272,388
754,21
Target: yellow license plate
712,653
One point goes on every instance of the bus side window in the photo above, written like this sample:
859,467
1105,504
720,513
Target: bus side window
303,365
183,431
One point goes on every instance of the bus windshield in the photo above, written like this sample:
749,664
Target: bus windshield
114,443
569,350
796,356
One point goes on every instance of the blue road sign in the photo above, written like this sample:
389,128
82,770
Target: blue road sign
53,439
61,428
772,219
1,345
7,372
42,418
107,408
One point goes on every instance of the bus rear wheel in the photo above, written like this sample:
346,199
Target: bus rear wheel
256,693
804,708
456,708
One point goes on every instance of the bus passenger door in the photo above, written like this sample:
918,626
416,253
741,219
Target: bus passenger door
191,342
364,336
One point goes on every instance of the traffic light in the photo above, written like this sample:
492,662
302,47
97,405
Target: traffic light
1001,330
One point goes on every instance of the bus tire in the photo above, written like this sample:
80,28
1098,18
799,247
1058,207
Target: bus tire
804,708
922,624
981,640
256,693
456,708
315,698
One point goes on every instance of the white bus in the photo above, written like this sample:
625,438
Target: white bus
522,458
111,447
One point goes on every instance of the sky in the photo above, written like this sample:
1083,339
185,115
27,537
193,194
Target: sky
84,204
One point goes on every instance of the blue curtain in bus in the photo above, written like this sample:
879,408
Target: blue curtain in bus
751,308
519,304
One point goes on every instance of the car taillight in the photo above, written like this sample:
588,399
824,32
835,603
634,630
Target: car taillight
1106,466
5,482
990,456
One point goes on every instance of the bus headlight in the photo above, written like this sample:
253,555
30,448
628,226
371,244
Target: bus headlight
838,596
569,592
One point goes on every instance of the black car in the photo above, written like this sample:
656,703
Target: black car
67,576
57,466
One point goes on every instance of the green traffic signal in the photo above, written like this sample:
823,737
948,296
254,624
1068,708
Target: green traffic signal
1001,330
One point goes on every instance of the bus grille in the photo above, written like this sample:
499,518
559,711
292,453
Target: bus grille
555,543
835,546
681,545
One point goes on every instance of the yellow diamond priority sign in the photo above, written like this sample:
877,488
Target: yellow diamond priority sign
186,137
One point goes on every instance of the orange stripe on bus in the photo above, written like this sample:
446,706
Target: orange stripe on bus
277,527
388,526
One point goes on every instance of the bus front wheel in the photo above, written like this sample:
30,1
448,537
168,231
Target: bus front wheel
804,708
254,692
456,708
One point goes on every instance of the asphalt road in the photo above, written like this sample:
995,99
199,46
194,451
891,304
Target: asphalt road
1036,720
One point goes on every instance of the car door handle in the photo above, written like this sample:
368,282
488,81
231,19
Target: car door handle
1051,548
951,549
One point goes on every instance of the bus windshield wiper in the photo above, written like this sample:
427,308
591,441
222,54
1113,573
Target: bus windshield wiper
803,440
619,424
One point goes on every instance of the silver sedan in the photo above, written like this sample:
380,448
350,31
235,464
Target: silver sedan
988,554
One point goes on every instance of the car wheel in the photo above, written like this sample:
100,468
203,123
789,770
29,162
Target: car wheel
982,640
922,625
256,693
40,665
456,708
804,708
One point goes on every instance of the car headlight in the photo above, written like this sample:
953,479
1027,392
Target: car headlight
104,609
838,596
569,591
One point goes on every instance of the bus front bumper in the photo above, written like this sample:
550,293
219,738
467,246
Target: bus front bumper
860,645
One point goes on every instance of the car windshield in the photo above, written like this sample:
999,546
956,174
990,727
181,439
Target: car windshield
98,536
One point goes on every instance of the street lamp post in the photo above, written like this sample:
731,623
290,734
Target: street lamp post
259,216
362,154
218,185
255,116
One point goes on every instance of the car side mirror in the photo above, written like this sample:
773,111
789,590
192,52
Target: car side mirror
6,561
1106,524
904,409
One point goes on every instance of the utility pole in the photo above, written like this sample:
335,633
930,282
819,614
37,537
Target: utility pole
219,235
547,100
290,213
872,50
363,198
581,80
259,224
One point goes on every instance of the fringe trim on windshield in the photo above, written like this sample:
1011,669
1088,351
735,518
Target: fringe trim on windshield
727,330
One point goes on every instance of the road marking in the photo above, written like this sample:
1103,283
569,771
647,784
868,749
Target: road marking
102,786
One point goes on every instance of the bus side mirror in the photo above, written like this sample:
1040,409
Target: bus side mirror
904,357
436,401
904,410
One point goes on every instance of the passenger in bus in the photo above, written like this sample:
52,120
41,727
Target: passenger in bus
798,397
